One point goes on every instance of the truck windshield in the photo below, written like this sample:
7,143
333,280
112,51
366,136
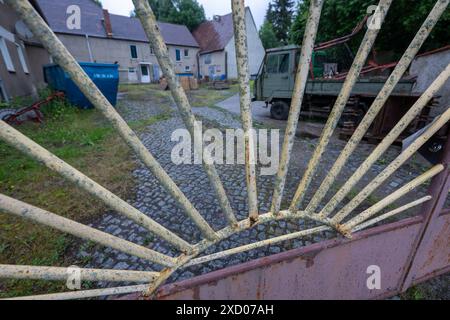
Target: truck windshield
278,63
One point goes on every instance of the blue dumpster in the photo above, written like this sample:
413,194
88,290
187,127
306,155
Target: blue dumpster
105,76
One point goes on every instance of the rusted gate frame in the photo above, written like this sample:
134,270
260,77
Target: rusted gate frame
189,253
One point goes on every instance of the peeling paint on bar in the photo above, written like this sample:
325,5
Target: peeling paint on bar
394,165
35,151
393,197
23,210
85,294
391,214
63,57
413,112
309,39
379,102
341,102
149,23
240,37
61,274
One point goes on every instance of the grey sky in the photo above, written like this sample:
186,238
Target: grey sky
212,7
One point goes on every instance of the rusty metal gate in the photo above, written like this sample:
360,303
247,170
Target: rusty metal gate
413,249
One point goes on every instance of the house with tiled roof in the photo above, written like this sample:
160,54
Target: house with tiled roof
217,57
101,37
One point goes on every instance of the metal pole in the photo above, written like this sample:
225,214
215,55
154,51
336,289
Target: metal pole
240,37
150,25
62,274
379,102
17,140
341,102
24,210
413,112
309,39
63,57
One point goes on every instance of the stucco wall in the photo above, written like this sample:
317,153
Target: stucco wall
255,49
19,83
113,50
427,69
217,61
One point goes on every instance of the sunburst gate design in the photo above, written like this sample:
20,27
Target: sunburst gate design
190,254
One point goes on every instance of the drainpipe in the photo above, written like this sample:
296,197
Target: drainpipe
91,57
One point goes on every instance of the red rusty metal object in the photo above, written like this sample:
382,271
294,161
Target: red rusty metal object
32,112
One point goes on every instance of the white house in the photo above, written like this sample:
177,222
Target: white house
217,57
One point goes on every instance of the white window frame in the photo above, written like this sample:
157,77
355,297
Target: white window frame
23,61
187,68
186,51
6,56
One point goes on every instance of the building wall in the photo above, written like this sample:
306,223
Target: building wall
112,50
188,64
255,49
427,69
18,83
216,68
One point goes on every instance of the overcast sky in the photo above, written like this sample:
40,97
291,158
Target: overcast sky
212,7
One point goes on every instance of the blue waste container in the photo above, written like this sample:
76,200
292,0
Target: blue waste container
105,76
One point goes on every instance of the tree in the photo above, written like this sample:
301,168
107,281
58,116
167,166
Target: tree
339,17
268,36
99,3
279,15
187,12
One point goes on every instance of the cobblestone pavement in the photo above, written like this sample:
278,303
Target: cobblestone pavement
150,197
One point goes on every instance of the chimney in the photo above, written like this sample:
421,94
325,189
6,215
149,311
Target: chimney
107,23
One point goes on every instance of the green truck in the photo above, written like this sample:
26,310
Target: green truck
274,84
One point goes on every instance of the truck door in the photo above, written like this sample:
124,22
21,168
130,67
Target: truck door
277,77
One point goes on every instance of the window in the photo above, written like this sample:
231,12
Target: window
3,96
151,50
278,63
177,55
134,54
6,57
23,62
144,70
187,68
186,52
208,59
131,70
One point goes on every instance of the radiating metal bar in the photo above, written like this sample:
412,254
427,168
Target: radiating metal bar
395,165
309,39
240,37
21,209
63,57
391,214
62,274
341,102
392,198
412,113
150,25
379,102
85,294
256,245
19,141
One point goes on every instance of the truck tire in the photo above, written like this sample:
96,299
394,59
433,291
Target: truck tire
279,110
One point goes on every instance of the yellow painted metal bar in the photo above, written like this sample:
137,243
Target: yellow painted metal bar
379,102
301,79
24,210
240,37
341,102
412,113
150,25
67,62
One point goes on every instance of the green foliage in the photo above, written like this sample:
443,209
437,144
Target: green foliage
339,17
268,36
279,15
98,2
186,12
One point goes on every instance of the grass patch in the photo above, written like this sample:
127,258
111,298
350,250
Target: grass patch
84,139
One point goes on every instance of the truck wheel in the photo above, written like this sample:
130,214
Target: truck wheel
279,110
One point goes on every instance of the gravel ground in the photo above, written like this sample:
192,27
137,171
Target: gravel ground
152,199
